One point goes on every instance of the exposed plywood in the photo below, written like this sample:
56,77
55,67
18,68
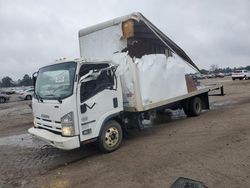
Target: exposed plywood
128,29
190,84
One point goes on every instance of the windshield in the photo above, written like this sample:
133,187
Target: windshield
238,71
56,81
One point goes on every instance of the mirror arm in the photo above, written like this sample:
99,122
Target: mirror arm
97,73
34,76
85,76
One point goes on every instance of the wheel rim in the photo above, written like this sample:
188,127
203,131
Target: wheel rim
111,137
198,107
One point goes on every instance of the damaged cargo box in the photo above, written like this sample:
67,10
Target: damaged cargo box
132,33
149,79
151,66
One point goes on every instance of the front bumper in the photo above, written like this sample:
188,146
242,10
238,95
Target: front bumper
58,141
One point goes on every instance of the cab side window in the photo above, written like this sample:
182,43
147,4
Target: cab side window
104,81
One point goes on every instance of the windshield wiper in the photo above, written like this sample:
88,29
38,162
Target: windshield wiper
39,98
58,98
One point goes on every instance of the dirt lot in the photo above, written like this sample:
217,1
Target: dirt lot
212,148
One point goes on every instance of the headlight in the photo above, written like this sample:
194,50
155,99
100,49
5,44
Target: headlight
34,122
68,128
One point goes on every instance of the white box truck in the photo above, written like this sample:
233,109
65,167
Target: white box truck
128,70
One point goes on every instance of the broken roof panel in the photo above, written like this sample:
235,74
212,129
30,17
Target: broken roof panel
142,28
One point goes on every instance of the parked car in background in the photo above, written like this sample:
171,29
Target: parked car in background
220,75
240,74
20,90
4,97
211,75
198,76
228,74
10,91
26,94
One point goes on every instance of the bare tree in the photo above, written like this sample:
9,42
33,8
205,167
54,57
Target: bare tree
213,68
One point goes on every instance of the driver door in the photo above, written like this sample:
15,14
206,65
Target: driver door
97,99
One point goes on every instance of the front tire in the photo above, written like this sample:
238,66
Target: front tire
111,136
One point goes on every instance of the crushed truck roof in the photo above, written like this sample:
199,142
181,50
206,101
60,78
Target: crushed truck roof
144,28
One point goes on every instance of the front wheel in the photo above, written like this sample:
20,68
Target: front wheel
110,138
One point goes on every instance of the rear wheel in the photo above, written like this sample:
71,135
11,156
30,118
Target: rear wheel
2,100
110,138
193,107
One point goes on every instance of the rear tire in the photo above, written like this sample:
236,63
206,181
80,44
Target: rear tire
110,137
2,100
193,107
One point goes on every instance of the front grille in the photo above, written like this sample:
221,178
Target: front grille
47,120
49,124
55,132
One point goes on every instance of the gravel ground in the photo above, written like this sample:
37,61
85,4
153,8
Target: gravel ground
212,148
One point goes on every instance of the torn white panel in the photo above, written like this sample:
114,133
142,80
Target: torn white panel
159,78
179,61
123,70
102,43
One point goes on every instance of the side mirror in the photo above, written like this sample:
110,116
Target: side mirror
91,75
82,79
34,77
83,108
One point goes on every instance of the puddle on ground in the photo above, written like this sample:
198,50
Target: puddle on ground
22,140
218,104
168,116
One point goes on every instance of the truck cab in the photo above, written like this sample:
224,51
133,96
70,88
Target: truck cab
73,100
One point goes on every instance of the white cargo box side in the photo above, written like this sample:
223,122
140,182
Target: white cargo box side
150,79
102,43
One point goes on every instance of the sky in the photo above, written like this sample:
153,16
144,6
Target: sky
34,33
